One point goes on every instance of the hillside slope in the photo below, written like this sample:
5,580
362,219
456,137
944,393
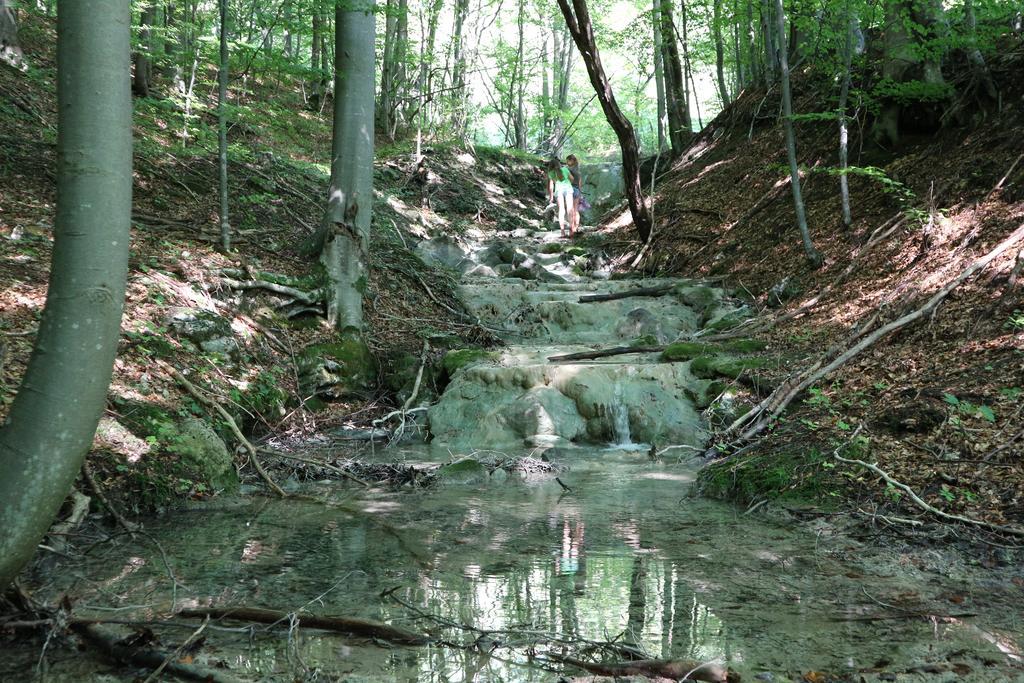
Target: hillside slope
939,401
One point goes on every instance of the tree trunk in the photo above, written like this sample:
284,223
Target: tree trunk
675,84
10,48
51,424
844,183
288,29
771,57
749,39
716,24
222,128
582,33
659,76
346,223
519,116
143,63
787,121
314,57
545,92
982,75
426,83
401,57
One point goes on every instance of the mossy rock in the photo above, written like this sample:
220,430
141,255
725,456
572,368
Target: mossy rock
682,351
576,251
336,370
456,360
729,320
522,273
204,454
400,376
550,248
463,471
645,340
744,346
704,395
697,297
709,367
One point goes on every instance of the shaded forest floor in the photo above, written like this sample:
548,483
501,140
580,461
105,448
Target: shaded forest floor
939,401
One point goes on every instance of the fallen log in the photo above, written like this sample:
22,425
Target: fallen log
676,670
115,644
366,628
604,353
659,290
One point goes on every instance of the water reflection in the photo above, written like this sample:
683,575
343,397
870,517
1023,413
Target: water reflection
623,558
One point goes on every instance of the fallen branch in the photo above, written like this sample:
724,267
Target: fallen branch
232,425
675,670
780,399
316,463
115,644
118,517
604,353
659,290
365,628
1015,531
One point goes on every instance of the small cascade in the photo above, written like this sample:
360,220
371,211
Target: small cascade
619,415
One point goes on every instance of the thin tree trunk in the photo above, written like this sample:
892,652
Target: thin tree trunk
426,84
716,24
401,56
582,33
844,184
675,83
659,75
519,121
143,64
288,29
787,111
750,42
771,59
314,56
545,92
346,223
974,56
222,128
51,424
458,96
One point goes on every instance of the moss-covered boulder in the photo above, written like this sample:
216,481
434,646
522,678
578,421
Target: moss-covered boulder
644,340
338,369
709,367
551,248
721,319
204,454
697,297
683,351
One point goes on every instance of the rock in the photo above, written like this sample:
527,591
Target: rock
205,329
707,367
722,318
481,270
638,323
457,359
463,471
495,253
546,441
112,436
782,291
443,251
466,159
336,370
204,453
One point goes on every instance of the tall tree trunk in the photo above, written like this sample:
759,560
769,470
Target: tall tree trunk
577,18
771,58
844,92
51,424
982,75
346,223
519,120
545,92
143,62
458,96
428,50
316,43
749,38
787,121
222,127
288,29
689,86
401,83
10,48
716,24
659,75
675,83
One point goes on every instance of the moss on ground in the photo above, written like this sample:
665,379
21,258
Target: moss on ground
794,477
683,351
456,360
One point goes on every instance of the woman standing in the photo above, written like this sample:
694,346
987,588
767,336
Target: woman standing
560,190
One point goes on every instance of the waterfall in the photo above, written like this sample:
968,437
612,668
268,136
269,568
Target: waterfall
620,424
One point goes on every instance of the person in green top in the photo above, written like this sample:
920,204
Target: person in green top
560,190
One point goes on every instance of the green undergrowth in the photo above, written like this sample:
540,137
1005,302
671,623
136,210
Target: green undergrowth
801,477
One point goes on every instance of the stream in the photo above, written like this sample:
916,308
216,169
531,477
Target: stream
514,569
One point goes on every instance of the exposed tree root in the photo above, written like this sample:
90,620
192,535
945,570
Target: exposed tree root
365,628
232,425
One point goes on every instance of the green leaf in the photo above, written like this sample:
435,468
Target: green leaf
951,399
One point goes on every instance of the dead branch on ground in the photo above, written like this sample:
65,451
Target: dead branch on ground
364,628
